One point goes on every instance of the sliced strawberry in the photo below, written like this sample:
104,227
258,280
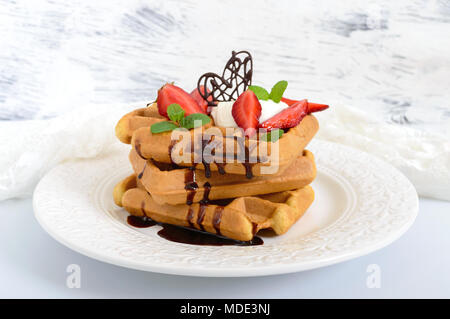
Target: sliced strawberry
170,94
288,101
315,107
246,112
312,107
287,118
200,100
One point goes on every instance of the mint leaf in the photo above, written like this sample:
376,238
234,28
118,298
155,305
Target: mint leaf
277,91
260,92
272,136
175,112
161,127
193,120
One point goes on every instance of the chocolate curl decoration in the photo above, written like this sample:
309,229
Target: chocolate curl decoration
235,79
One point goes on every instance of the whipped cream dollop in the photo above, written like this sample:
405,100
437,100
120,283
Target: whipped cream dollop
222,112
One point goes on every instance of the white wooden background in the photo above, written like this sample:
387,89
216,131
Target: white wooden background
391,58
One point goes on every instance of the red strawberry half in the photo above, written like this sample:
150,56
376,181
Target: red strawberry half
287,118
312,107
200,100
170,94
246,112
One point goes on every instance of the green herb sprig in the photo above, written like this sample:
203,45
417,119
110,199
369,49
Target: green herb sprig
177,120
272,136
276,93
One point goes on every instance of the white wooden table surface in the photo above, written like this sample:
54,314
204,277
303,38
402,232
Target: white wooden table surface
387,57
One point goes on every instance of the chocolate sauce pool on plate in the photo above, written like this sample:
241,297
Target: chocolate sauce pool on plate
195,237
140,222
190,236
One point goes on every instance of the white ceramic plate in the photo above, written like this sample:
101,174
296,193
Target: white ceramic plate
362,204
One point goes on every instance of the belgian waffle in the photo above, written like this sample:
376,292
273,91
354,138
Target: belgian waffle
134,128
179,185
238,218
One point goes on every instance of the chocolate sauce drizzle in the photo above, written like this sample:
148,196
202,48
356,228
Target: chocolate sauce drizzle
235,79
141,174
244,155
202,205
192,235
201,215
190,217
181,234
207,187
248,161
190,185
206,164
137,147
221,168
217,218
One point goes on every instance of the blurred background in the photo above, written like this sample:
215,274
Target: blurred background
391,58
